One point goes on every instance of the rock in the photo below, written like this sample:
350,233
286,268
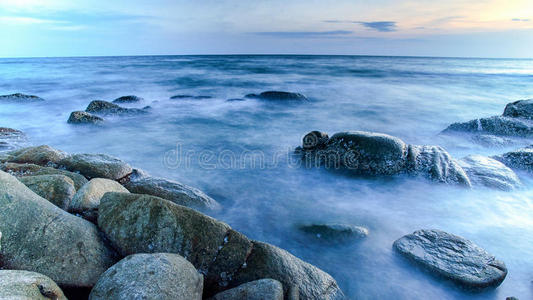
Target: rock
97,166
277,95
88,197
128,99
315,140
18,97
497,125
521,159
147,224
108,108
82,117
173,191
235,100
21,170
452,257
267,261
334,232
157,276
262,289
40,237
519,109
11,139
190,97
491,173
15,284
39,155
58,189
434,163
488,140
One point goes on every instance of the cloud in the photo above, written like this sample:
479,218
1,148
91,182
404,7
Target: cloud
381,26
304,34
520,20
17,20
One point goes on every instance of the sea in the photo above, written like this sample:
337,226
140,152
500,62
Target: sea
241,151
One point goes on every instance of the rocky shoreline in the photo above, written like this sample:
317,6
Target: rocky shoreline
92,225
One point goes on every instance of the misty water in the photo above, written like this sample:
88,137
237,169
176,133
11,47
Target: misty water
240,152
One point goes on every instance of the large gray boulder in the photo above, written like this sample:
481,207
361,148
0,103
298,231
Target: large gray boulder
21,285
83,117
22,170
38,236
147,224
58,189
262,289
520,109
368,153
452,257
159,276
278,96
497,125
87,199
489,172
96,166
39,155
171,190
521,159
18,97
100,107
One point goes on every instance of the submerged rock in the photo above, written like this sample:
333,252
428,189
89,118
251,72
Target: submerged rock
39,155
497,125
21,170
190,97
334,232
173,191
38,236
262,289
369,153
18,97
82,117
87,199
58,189
108,108
11,139
520,109
452,257
278,95
521,159
488,140
148,224
486,171
15,284
160,276
97,166
128,99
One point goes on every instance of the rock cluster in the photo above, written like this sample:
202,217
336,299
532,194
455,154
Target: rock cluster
98,108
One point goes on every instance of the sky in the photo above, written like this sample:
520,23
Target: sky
458,28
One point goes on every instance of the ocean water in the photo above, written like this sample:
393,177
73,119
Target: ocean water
240,152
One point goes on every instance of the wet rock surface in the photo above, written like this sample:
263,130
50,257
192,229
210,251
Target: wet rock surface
176,97
11,139
39,155
22,170
82,117
19,285
519,109
96,166
263,289
521,159
128,99
160,276
489,172
334,232
18,97
58,189
100,107
89,195
452,257
278,96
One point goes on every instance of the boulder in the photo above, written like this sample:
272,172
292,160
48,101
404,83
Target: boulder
21,170
315,140
521,159
88,197
147,224
173,191
15,284
497,125
39,155
262,289
38,236
96,166
82,117
489,172
128,99
18,97
107,108
11,139
157,276
334,232
452,257
519,109
278,96
58,189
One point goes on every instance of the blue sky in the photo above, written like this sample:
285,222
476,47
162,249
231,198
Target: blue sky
493,28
